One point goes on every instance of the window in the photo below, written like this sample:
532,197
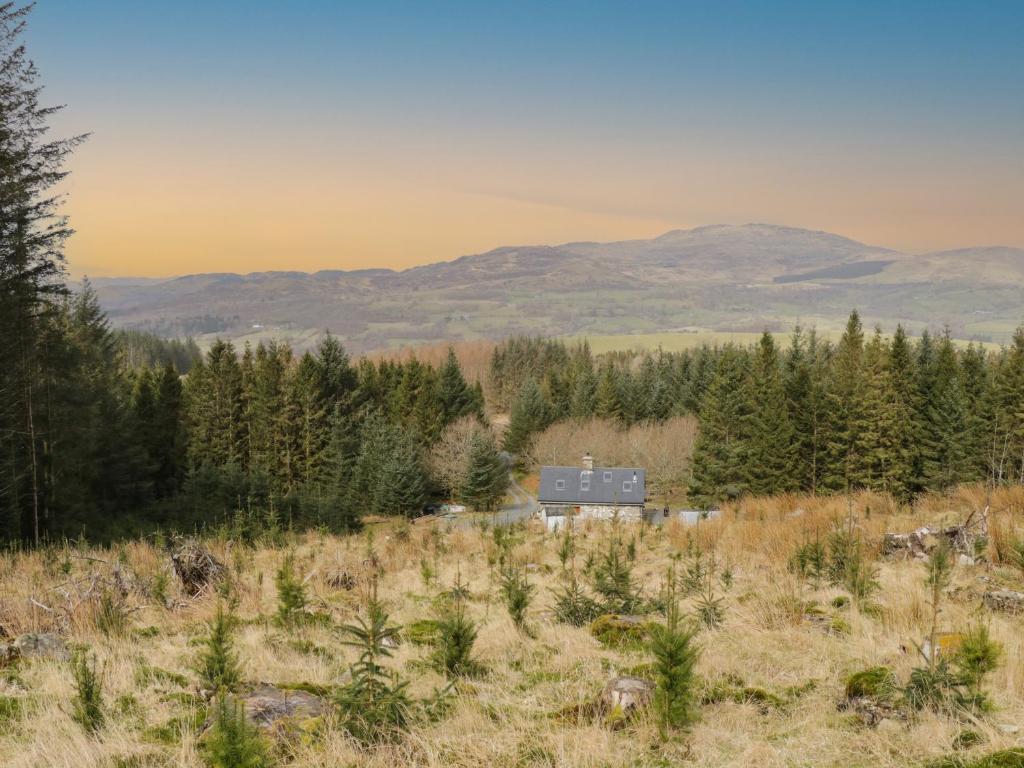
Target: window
584,481
559,485
607,477
627,486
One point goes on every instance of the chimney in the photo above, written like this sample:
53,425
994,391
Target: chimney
588,461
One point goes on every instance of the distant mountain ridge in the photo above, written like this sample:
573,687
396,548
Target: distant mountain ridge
722,277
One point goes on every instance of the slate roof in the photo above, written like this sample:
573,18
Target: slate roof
622,486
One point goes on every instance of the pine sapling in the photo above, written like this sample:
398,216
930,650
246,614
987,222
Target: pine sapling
675,659
233,742
88,701
218,663
291,594
517,593
456,635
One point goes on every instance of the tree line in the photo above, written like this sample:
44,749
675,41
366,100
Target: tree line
107,433
892,414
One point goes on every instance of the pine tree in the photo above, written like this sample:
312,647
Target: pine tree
608,399
168,447
720,450
529,415
401,486
584,394
770,451
456,397
218,663
844,461
902,479
486,475
1007,415
32,236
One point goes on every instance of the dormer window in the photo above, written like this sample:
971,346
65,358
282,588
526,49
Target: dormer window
584,481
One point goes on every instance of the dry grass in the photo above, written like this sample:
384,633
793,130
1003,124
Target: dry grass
505,718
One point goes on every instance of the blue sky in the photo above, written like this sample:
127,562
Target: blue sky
897,123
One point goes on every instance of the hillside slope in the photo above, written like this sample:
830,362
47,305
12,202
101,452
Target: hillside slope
736,278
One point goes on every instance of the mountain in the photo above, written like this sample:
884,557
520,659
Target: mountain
723,277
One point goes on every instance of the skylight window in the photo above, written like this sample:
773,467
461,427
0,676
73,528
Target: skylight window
607,477
559,485
627,486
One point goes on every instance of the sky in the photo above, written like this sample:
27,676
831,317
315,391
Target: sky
313,134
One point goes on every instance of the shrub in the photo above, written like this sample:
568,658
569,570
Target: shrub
88,701
232,742
111,615
708,608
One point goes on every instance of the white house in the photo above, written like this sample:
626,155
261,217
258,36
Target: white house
590,492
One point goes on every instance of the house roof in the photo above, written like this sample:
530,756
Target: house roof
621,486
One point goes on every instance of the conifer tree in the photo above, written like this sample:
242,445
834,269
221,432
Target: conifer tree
844,467
720,450
529,415
32,236
584,394
608,399
770,452
902,462
1007,427
486,476
457,398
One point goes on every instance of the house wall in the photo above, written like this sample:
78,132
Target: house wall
626,514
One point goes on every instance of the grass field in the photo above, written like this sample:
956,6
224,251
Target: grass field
771,678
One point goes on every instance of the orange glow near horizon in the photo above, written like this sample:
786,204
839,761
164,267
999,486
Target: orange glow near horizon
153,212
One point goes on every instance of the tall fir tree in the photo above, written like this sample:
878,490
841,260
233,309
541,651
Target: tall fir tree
845,398
486,473
770,453
530,414
717,470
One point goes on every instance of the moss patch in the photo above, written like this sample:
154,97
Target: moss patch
875,683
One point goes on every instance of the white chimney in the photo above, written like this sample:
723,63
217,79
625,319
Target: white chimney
588,461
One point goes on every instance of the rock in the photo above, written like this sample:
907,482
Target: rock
35,645
1009,728
871,711
965,560
196,567
915,544
269,707
623,697
8,654
389,642
1005,600
964,539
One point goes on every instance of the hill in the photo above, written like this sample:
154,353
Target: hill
717,278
